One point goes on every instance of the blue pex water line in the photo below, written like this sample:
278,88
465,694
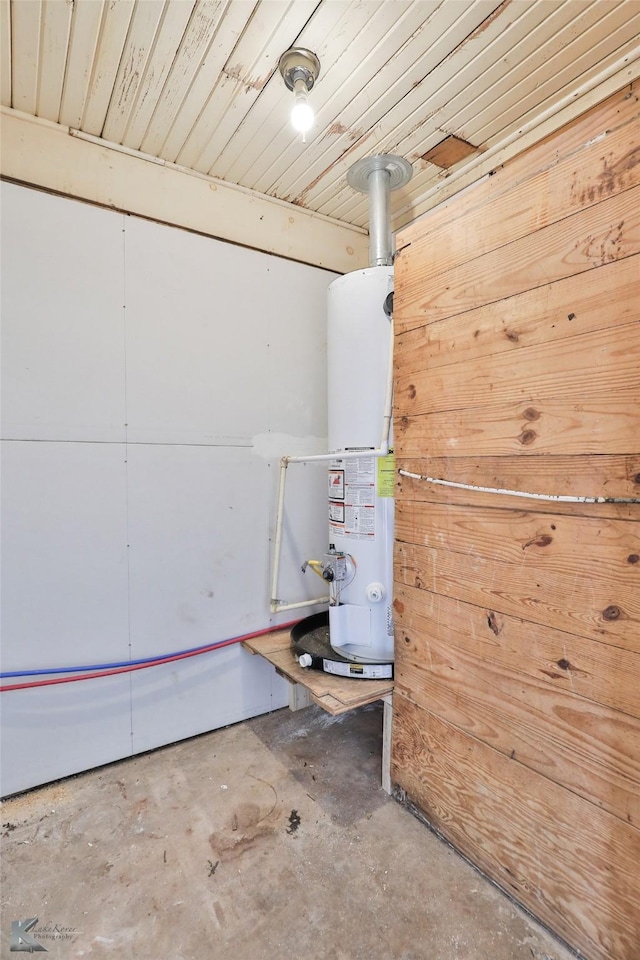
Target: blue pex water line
88,668
101,666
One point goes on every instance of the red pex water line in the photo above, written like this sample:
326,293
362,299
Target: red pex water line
152,663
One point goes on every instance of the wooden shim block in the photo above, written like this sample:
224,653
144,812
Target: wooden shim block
594,366
570,603
580,744
616,112
555,313
299,697
587,476
577,868
387,726
602,426
603,168
563,661
590,238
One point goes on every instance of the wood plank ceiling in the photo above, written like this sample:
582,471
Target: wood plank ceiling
195,82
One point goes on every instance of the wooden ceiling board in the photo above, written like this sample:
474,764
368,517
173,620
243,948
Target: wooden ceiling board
572,80
56,30
386,101
25,59
525,91
204,124
137,50
492,71
191,53
521,87
266,134
365,41
546,72
442,75
427,123
268,119
5,53
196,82
207,81
420,117
115,26
83,43
245,78
174,23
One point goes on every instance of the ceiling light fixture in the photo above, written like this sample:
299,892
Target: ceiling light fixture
300,69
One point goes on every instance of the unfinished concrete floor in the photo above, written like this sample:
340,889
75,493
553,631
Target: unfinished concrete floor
270,839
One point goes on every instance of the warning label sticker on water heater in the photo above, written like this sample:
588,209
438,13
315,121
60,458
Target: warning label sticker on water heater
354,483
360,522
336,512
336,484
360,471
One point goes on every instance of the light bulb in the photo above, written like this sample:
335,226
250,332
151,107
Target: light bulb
299,68
302,115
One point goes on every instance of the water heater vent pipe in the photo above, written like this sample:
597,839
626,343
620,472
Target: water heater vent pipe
378,176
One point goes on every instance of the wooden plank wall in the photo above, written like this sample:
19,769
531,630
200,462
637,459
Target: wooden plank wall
517,695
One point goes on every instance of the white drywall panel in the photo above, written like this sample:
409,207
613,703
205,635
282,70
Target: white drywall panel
198,554
227,347
64,603
196,344
296,328
198,546
111,550
53,732
203,693
64,558
62,312
224,344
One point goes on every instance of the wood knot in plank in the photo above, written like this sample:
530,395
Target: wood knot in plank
493,624
542,540
612,613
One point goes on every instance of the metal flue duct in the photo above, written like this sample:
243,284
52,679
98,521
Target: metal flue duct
378,176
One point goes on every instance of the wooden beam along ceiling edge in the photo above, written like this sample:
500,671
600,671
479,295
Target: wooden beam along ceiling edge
44,155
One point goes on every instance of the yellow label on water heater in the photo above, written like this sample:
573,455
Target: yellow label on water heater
386,478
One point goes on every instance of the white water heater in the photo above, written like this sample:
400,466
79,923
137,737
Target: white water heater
355,638
361,475
360,489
